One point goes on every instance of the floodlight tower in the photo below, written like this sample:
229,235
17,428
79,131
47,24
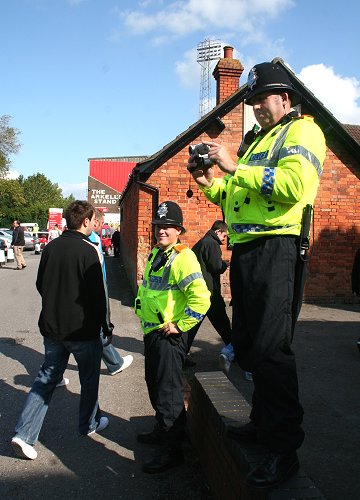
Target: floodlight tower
208,50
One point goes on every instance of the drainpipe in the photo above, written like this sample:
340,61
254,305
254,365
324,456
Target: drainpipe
155,190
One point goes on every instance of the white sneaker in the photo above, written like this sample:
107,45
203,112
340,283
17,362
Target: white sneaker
127,362
103,423
23,449
225,363
63,382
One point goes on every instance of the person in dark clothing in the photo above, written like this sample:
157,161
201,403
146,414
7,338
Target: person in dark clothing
208,253
355,274
355,281
69,280
115,240
264,196
18,242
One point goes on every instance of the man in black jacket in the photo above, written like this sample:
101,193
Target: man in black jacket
18,242
355,281
208,253
74,309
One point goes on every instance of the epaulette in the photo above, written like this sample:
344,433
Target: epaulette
302,116
179,247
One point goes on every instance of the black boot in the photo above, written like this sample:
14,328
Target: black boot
156,436
164,460
275,470
246,433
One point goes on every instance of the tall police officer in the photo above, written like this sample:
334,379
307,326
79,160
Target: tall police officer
171,300
263,196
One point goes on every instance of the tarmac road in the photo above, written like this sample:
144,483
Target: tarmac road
108,466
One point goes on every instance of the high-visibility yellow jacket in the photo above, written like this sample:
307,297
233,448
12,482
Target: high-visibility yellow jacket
176,293
276,178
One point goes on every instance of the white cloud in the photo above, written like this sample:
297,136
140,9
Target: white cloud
79,191
338,93
12,174
188,69
183,17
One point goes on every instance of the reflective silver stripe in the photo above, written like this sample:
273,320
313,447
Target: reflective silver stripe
189,279
300,150
269,164
193,314
159,283
257,228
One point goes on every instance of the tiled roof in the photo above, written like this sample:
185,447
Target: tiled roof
354,131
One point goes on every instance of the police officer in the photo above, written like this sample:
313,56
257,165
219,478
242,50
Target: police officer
263,196
172,299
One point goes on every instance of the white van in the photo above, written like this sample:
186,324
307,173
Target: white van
29,226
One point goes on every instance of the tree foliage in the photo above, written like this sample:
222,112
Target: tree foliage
29,199
12,199
9,144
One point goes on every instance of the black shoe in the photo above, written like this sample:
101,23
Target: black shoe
156,436
165,460
244,433
274,471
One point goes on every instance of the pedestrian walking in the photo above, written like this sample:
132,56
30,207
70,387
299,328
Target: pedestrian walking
18,243
69,279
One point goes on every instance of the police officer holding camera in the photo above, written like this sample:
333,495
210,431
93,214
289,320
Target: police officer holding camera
171,300
263,195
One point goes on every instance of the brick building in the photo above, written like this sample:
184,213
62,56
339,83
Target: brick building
163,176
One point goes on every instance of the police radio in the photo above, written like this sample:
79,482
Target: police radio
305,231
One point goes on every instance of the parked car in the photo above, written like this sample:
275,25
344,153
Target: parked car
6,233
106,234
42,238
29,239
4,245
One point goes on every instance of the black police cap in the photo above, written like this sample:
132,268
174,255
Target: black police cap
268,77
169,214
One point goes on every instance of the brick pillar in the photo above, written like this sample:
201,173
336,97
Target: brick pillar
227,75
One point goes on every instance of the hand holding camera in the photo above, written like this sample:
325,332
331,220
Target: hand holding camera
199,154
200,166
215,153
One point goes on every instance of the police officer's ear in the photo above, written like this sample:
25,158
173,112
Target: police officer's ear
285,99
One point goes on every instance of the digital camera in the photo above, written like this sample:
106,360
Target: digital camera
201,156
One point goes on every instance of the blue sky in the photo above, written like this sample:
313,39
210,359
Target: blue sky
102,78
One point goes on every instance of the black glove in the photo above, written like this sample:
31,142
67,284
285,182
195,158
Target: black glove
107,336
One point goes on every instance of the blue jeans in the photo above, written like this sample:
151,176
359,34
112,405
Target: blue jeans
88,358
112,358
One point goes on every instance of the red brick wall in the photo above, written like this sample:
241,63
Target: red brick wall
337,228
173,181
337,220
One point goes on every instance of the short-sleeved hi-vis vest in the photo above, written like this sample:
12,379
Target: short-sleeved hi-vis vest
275,179
176,293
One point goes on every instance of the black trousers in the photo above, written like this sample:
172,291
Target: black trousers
163,375
218,318
266,278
